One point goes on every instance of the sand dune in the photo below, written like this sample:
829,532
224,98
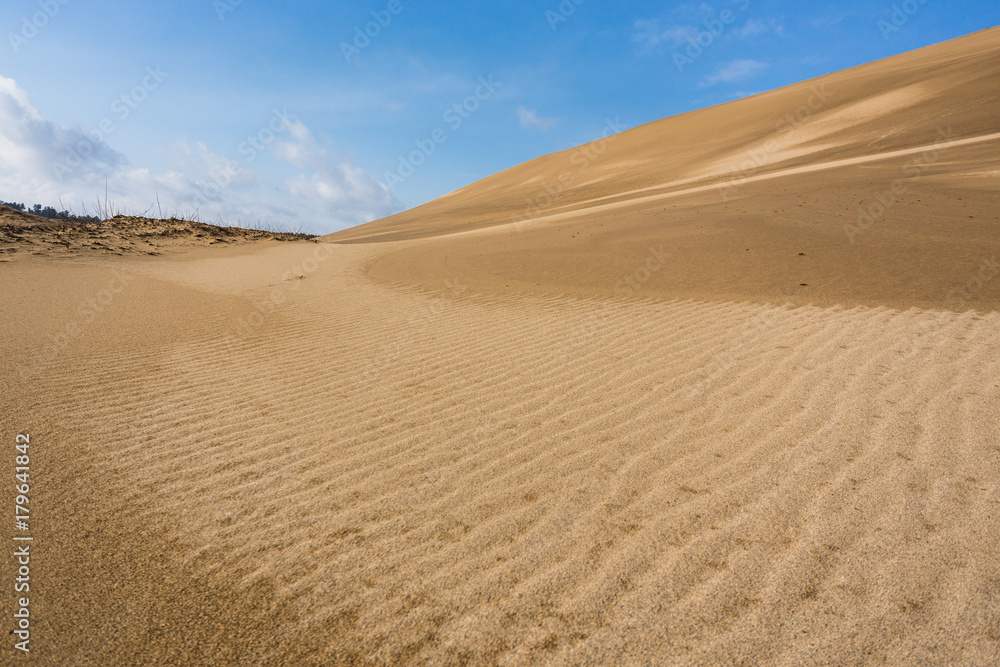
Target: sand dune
22,233
576,481
637,428
869,172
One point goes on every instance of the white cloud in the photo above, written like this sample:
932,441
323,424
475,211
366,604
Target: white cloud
690,21
760,27
737,70
46,163
827,21
35,151
333,186
299,148
530,118
653,35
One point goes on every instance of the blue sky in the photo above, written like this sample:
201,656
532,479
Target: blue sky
289,114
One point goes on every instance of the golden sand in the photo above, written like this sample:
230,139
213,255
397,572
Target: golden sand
675,414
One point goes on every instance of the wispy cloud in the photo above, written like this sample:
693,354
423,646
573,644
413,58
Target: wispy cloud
699,25
44,162
330,183
761,27
653,35
732,72
827,21
32,147
529,118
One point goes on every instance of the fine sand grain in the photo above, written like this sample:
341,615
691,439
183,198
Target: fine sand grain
648,425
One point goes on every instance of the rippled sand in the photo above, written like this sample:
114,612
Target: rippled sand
672,439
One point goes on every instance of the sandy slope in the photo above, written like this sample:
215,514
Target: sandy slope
512,446
884,177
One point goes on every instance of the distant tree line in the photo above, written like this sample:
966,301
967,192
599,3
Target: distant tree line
49,212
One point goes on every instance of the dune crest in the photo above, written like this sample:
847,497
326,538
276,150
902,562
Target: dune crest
875,173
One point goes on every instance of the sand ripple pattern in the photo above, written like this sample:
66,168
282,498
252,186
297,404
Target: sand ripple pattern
447,479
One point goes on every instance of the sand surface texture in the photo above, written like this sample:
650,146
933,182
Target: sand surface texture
648,424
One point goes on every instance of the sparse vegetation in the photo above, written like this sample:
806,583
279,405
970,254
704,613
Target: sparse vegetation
108,210
49,213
